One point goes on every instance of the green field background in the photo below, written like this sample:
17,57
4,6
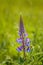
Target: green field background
32,13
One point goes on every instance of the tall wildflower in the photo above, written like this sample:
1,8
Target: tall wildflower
23,39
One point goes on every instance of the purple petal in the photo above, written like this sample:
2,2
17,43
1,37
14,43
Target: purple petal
28,49
19,40
26,34
27,40
20,33
28,44
19,48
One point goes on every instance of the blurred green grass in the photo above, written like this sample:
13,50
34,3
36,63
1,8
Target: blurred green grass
32,12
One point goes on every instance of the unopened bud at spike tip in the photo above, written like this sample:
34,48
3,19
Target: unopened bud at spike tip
21,30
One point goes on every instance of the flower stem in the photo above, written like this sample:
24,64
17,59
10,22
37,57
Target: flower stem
23,47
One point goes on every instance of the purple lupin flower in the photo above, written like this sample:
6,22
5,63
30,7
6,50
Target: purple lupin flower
19,40
25,42
26,34
20,48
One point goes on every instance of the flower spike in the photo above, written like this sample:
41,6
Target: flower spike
23,38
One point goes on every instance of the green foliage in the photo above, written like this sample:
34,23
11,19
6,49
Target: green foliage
32,12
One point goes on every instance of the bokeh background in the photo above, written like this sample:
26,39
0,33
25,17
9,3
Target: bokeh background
32,12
